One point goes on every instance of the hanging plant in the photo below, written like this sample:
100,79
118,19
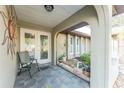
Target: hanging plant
9,32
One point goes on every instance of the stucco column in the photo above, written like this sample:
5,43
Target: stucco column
101,49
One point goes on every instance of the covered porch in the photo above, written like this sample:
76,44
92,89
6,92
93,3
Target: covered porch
36,32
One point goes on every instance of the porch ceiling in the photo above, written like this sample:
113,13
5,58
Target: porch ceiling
36,14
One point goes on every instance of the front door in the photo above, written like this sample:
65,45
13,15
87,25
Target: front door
37,43
44,47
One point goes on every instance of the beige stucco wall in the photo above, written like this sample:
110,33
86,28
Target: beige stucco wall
64,45
7,64
61,44
32,26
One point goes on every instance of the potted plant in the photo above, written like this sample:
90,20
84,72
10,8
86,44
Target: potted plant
85,58
62,58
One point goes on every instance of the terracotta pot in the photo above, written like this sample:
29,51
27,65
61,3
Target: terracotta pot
86,73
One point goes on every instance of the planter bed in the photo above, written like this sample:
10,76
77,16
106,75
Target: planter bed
78,72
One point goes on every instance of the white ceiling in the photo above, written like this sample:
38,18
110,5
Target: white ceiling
38,15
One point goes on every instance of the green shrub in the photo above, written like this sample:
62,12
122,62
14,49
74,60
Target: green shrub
61,57
86,58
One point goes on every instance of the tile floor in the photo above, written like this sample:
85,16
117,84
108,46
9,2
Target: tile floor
50,76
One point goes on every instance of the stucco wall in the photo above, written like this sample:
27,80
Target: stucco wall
61,44
32,26
7,64
64,45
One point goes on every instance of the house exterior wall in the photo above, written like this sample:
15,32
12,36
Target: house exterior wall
32,26
68,47
61,45
8,65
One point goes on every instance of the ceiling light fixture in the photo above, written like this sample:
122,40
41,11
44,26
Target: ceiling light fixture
49,8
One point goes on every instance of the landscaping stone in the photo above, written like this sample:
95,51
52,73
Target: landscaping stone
75,71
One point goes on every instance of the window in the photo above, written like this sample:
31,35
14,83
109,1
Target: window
78,45
30,43
71,41
44,47
71,44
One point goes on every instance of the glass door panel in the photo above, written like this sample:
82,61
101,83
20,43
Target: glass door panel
37,43
44,47
30,43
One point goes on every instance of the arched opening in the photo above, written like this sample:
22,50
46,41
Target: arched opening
98,17
73,50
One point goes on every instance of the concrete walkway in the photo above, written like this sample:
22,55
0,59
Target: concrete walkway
50,77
